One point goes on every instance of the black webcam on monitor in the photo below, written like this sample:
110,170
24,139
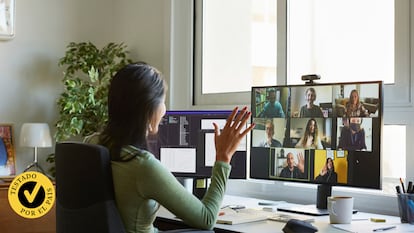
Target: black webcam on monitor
309,78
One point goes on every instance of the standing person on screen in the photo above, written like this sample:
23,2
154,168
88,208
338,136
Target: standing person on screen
136,104
270,131
354,108
292,170
310,139
328,174
310,109
272,108
352,135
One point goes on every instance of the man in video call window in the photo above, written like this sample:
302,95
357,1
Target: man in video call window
293,171
270,131
272,108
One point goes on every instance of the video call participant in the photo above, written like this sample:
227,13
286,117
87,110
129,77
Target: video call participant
310,109
352,135
310,139
272,108
292,170
270,131
354,108
328,174
136,105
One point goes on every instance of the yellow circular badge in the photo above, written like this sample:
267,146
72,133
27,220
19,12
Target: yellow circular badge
31,194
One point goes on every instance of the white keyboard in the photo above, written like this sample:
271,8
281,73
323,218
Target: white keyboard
282,217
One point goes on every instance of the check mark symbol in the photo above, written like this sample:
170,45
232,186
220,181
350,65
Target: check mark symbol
31,196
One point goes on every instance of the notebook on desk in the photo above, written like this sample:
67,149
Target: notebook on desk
306,209
230,216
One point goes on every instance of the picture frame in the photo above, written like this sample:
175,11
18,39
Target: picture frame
7,151
7,18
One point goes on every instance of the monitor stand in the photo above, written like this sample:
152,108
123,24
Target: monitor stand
324,191
197,186
187,183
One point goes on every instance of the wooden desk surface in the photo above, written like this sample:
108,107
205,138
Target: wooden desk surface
10,222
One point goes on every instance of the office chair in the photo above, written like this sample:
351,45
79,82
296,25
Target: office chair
84,191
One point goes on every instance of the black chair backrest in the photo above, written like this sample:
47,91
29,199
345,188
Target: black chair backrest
84,190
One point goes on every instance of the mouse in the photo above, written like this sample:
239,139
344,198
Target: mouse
299,226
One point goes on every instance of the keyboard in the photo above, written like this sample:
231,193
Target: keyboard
232,216
281,217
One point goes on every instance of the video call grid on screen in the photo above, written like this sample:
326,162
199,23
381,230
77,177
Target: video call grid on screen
185,144
355,156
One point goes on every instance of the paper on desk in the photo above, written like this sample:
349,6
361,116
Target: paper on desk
366,226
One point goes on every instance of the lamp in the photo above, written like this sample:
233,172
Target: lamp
35,135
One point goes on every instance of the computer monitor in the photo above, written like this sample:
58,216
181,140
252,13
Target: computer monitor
185,144
303,129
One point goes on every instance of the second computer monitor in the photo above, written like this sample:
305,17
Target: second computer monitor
185,144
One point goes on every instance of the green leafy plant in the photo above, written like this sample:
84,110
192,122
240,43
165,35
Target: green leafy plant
83,104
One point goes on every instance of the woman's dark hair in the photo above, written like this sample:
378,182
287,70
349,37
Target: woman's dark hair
333,165
135,93
315,134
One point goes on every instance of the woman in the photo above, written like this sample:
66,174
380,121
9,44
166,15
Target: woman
135,108
328,174
310,139
354,108
310,109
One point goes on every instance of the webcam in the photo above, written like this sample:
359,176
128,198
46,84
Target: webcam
309,78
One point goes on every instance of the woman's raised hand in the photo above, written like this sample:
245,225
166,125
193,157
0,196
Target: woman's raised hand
228,139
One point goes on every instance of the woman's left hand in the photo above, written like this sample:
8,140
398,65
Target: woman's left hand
228,139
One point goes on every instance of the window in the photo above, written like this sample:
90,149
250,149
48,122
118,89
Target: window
396,53
266,42
341,40
236,50
246,42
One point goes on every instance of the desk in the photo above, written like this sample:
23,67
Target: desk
166,218
10,222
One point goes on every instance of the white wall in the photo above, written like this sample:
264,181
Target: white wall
30,77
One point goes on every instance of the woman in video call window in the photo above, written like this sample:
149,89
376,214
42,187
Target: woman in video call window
310,109
328,174
354,108
310,139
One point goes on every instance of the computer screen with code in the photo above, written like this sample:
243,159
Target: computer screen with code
185,143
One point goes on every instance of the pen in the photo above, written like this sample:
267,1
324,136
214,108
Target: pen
410,187
402,185
384,228
398,189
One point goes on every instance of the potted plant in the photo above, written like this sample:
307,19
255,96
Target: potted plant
83,103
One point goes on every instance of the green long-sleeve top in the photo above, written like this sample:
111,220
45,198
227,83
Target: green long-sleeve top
143,183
